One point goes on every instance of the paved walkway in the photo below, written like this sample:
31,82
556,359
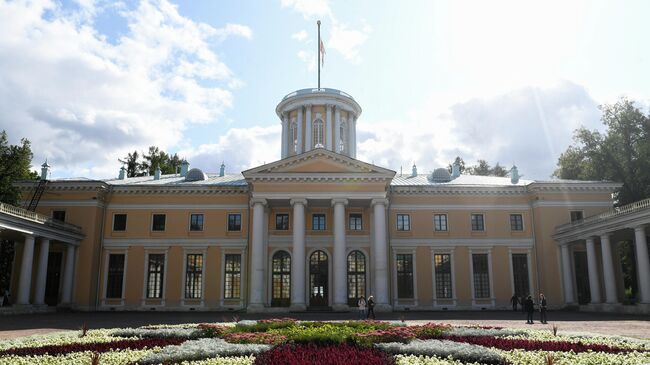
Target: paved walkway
613,324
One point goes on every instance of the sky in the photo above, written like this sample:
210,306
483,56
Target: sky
506,81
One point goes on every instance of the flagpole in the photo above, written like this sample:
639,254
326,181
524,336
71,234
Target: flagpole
319,55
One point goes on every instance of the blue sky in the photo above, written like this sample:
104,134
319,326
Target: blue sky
505,81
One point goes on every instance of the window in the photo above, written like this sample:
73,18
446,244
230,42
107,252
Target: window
440,222
442,264
403,222
342,136
318,133
282,222
196,222
155,272
318,222
234,222
576,215
281,281
516,222
520,274
158,222
232,278
194,276
115,276
119,222
294,136
356,277
404,275
477,222
355,222
481,275
58,215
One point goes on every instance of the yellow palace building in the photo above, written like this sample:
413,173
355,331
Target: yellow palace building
317,230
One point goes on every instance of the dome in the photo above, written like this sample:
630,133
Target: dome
440,175
195,175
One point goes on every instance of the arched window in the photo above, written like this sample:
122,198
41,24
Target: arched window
343,136
318,133
293,133
356,277
281,281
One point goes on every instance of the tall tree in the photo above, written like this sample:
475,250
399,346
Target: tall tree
132,164
621,153
461,163
155,157
498,170
481,168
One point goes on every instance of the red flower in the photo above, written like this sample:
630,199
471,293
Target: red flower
323,355
94,346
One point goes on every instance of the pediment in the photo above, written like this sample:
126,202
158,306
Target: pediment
319,162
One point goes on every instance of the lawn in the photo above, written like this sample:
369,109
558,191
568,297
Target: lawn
288,341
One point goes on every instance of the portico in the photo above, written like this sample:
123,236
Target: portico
597,236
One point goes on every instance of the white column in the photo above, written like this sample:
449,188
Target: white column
567,277
285,135
381,254
592,268
337,129
257,256
41,276
351,136
340,248
328,127
25,280
308,132
300,139
608,269
298,256
642,263
68,274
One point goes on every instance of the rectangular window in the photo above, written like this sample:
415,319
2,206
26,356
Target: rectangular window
194,276
58,215
516,222
481,276
196,222
442,264
155,272
478,223
520,274
576,215
403,222
232,277
404,275
318,222
115,276
158,222
119,222
234,222
440,222
355,222
282,222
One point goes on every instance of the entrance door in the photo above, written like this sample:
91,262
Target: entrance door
318,279
53,278
582,277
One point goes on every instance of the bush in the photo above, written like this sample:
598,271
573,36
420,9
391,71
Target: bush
214,330
441,348
265,325
325,334
204,348
255,337
393,334
430,330
323,355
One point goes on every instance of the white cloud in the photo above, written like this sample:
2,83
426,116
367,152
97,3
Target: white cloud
308,58
309,8
347,41
84,102
300,36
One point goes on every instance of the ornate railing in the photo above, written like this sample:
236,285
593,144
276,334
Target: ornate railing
625,209
38,218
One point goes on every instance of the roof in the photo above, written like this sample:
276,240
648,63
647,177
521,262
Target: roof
178,180
462,180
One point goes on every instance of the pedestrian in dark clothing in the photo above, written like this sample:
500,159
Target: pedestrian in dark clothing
542,308
371,307
530,309
514,300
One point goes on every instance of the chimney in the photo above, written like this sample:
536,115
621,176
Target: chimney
415,171
222,170
122,173
514,175
45,170
156,175
455,170
185,167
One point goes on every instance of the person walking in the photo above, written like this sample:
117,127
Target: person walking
362,308
530,309
514,300
371,307
542,308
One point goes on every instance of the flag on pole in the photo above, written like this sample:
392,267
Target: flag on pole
322,53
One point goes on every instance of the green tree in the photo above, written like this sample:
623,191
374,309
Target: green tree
132,164
481,168
498,170
155,157
460,162
621,153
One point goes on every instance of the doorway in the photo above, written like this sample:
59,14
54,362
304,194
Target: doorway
53,278
318,279
582,277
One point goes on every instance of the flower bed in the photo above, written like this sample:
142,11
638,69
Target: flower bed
94,347
308,354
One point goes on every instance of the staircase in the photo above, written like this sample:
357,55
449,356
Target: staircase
38,193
